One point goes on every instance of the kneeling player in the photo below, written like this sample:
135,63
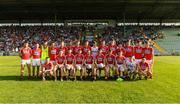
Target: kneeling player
131,67
120,64
60,61
48,69
100,62
143,69
110,64
69,65
79,60
89,64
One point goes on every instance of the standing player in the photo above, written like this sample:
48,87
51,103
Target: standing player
77,48
100,62
62,48
79,61
25,54
86,48
113,47
44,54
36,53
129,50
138,52
103,47
120,64
149,55
110,62
60,61
121,48
89,64
53,52
69,64
94,50
143,67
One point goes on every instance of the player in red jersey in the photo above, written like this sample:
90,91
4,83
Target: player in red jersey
77,48
79,61
69,64
70,47
100,62
143,68
62,48
110,64
121,64
149,55
53,52
138,52
89,64
129,50
103,47
60,61
86,48
121,48
36,53
48,69
25,55
113,47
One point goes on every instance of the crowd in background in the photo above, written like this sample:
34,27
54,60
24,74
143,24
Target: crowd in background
13,37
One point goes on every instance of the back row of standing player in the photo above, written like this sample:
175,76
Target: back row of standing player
72,57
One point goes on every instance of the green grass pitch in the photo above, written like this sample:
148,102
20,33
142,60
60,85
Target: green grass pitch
163,88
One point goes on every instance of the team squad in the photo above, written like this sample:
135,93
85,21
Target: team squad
62,62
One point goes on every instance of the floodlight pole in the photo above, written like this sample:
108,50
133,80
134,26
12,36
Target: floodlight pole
55,23
124,21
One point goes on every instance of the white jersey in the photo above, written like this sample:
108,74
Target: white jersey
94,51
131,65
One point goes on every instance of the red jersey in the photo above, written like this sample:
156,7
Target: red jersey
120,60
48,66
129,51
88,59
138,52
100,58
60,59
79,59
104,49
36,53
144,65
53,53
110,59
148,53
25,53
86,49
121,49
76,49
113,48
62,49
70,47
70,58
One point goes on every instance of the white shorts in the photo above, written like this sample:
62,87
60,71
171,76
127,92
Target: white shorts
69,66
79,66
43,61
89,66
53,62
23,62
36,62
60,65
110,65
149,62
138,61
100,65
121,68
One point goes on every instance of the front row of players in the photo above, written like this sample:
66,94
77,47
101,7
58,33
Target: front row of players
67,66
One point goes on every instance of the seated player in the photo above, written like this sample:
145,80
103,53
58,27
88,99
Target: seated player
48,69
100,62
143,69
131,68
120,64
69,64
79,61
89,64
60,61
110,64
